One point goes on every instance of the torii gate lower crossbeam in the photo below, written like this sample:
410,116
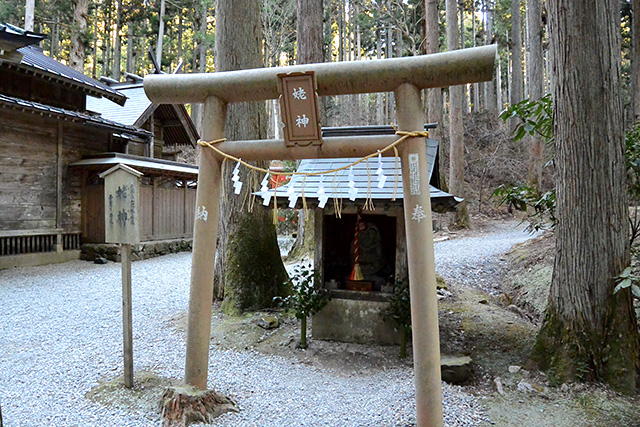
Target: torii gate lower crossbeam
407,78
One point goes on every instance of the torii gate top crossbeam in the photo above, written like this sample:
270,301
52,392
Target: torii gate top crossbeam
334,78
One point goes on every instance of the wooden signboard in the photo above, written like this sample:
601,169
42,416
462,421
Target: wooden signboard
122,199
122,225
299,108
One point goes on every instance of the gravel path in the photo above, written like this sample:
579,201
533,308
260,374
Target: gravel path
476,261
60,333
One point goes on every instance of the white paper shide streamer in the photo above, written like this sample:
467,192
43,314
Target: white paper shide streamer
382,178
237,184
353,191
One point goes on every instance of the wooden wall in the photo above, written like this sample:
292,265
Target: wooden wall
35,152
165,213
27,172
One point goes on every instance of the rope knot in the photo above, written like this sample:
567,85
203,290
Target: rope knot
414,134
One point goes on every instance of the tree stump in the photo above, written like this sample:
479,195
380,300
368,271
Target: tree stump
182,406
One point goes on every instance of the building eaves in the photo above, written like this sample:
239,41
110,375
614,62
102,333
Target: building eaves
35,62
34,107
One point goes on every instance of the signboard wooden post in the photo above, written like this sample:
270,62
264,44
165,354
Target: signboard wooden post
121,212
299,107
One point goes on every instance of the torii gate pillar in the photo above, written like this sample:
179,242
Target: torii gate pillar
205,234
420,254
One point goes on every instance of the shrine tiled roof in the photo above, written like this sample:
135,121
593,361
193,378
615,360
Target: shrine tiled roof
365,181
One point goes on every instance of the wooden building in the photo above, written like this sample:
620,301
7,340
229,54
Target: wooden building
45,128
355,312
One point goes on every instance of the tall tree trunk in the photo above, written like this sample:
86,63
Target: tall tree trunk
309,43
515,94
476,86
55,37
432,45
130,64
490,88
117,50
160,34
309,31
197,109
29,13
635,62
465,93
249,269
341,30
456,137
589,333
106,51
180,30
78,35
379,96
536,87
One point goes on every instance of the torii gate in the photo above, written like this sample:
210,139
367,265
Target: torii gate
403,76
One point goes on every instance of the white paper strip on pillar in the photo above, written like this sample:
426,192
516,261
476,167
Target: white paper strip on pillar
266,198
237,187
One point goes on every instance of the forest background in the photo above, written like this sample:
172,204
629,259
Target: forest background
112,39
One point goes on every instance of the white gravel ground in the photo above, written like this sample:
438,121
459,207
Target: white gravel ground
475,261
60,333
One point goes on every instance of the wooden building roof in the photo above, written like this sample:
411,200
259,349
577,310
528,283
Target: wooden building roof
143,164
20,104
138,109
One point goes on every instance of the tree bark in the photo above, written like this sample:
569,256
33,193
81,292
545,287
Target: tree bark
432,45
635,62
29,13
515,94
536,87
309,41
78,35
456,137
379,97
197,109
309,31
117,50
466,107
130,64
160,34
249,270
490,89
476,86
589,333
